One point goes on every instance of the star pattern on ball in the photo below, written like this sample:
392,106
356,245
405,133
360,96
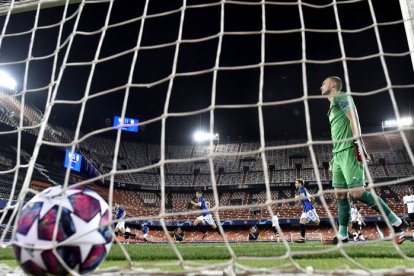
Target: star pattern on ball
52,199
104,205
29,254
86,238
80,240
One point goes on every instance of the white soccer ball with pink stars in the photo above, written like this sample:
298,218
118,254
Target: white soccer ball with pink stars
76,238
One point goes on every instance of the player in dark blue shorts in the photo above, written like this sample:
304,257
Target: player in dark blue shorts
178,234
145,232
254,233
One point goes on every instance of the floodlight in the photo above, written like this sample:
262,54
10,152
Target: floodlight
201,136
7,82
405,121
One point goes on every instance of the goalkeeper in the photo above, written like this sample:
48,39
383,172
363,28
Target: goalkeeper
347,165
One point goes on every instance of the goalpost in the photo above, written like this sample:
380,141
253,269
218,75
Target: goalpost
75,45
407,10
18,6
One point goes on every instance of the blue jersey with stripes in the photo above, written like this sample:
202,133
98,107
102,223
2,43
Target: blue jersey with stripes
179,237
254,235
306,203
144,229
119,212
203,206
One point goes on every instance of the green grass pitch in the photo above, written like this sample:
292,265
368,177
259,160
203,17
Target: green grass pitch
379,255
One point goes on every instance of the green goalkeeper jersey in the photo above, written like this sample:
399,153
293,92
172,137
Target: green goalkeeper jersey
340,124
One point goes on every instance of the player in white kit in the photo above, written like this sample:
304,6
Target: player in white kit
357,221
275,223
409,201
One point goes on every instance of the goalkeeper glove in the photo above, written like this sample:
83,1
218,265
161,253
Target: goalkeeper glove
360,151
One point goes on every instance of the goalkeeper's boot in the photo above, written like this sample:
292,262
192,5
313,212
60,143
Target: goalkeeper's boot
336,240
400,230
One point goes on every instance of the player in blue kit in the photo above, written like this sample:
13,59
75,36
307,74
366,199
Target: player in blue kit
206,217
119,211
254,233
119,214
145,232
177,234
309,212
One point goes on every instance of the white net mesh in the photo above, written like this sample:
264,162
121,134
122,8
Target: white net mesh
248,69
17,6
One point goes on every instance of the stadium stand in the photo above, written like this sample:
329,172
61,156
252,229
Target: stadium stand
240,177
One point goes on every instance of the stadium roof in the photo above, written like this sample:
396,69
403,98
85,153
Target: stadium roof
234,87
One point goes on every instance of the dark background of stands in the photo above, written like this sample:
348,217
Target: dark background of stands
236,87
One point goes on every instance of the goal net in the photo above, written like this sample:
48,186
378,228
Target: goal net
124,83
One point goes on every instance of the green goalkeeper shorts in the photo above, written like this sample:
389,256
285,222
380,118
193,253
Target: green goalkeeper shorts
347,172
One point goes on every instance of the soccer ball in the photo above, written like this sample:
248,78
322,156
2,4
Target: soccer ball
82,238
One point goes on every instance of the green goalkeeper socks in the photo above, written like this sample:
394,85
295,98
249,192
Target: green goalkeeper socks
344,214
343,232
369,199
